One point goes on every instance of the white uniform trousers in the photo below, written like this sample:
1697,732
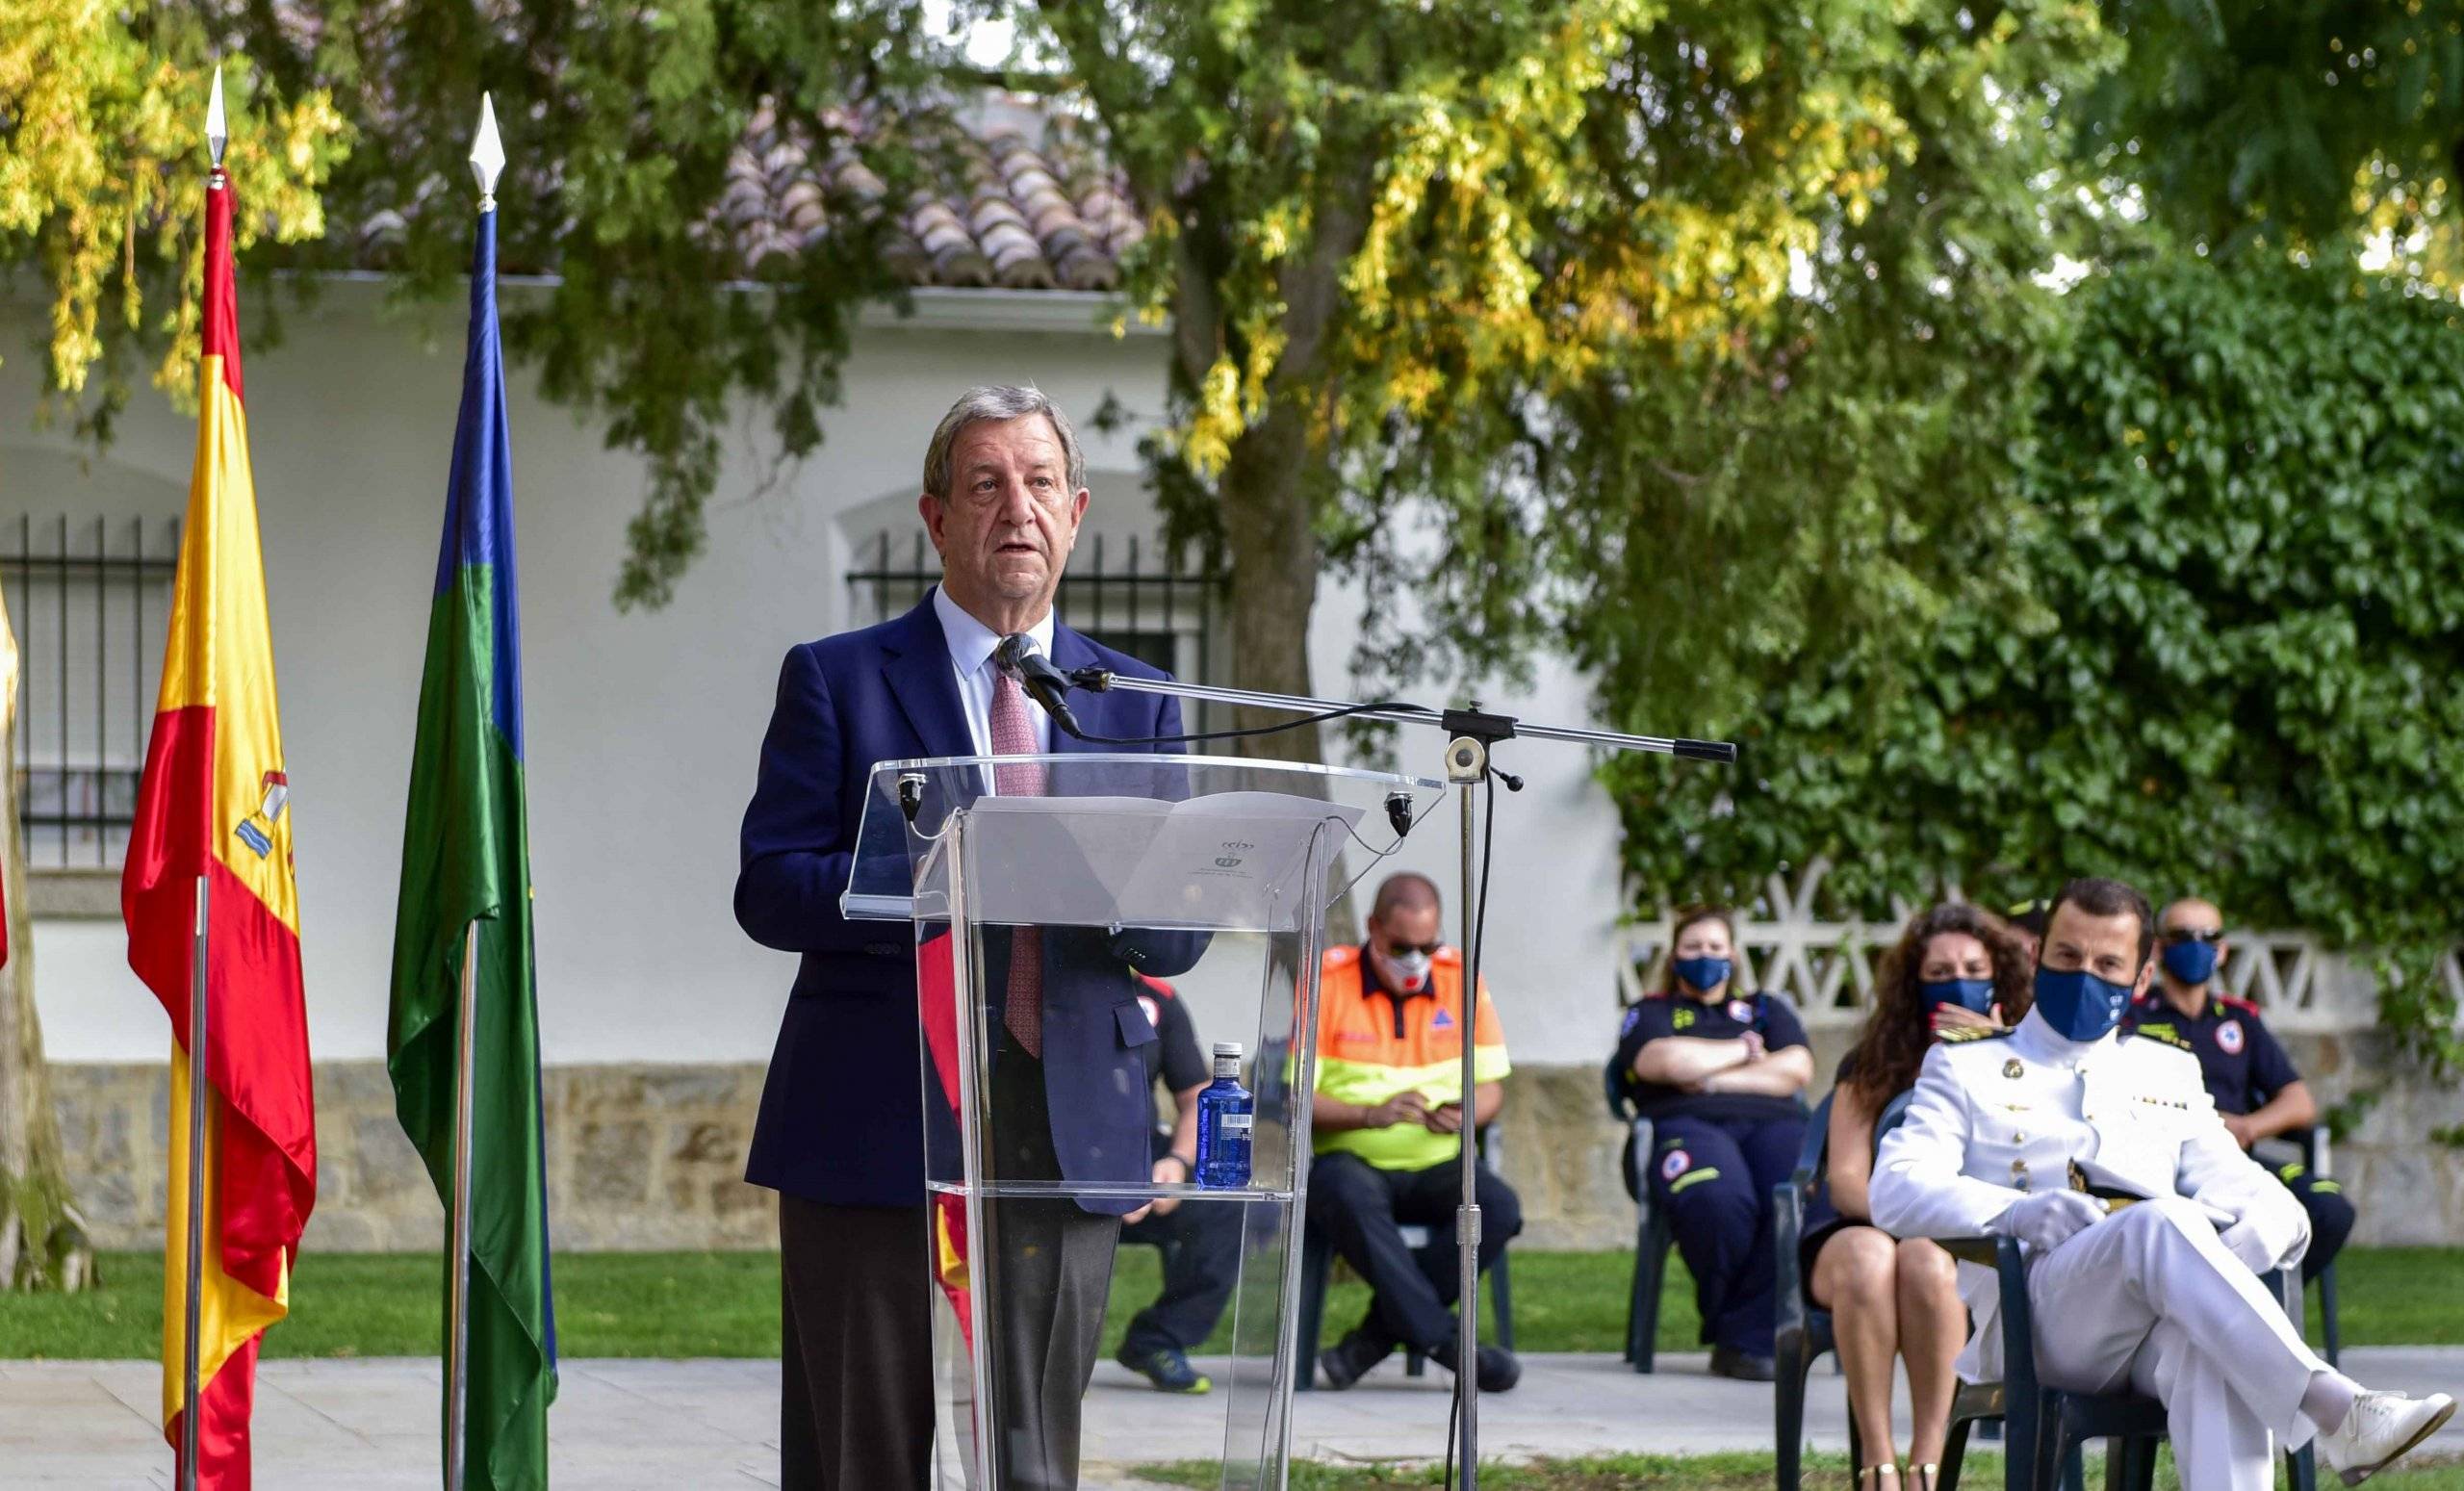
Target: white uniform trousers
2149,1297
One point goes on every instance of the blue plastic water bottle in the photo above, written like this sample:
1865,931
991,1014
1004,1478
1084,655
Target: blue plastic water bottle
1225,1113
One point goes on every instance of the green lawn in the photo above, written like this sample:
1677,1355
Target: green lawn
725,1304
1688,1472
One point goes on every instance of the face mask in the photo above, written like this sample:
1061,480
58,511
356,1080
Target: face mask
2080,1006
1412,967
1703,974
2192,962
1975,994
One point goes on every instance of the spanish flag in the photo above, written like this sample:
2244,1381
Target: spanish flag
214,805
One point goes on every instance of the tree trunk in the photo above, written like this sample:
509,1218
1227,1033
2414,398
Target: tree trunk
42,1240
1272,538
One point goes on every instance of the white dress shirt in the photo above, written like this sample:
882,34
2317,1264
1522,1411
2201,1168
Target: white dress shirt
971,643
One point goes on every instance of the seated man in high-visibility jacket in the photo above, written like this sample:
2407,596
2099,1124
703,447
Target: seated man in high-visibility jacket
1388,1116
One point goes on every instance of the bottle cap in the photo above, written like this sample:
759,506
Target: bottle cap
1227,1048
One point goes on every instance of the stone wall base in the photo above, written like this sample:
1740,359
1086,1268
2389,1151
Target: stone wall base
652,1157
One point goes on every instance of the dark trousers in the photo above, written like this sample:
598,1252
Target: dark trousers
1201,1248
2331,1217
1363,1210
855,1347
1715,1177
1051,1267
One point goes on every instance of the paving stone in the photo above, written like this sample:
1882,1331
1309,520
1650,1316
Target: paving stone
623,1425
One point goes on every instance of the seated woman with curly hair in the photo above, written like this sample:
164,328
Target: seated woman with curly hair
1954,968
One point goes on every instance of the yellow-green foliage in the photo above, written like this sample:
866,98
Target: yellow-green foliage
102,177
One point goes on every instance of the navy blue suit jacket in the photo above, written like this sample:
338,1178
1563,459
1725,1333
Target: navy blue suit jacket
843,1113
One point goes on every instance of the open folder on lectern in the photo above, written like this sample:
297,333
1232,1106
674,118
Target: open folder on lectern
1221,861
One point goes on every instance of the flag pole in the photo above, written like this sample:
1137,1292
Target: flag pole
196,1194
487,161
218,134
457,1370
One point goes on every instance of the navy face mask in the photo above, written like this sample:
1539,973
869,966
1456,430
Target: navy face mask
1703,974
1975,994
2192,962
2080,1006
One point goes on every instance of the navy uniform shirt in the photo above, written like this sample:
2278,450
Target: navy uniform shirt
1686,1017
2244,1066
1174,1059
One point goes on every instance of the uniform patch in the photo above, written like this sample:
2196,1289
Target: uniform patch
1441,1020
1674,1163
1681,1019
1740,1012
2228,1038
1634,1016
1154,1010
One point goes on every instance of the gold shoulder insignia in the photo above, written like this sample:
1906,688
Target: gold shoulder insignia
1960,1035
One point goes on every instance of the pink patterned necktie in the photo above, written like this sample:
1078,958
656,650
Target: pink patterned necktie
1013,734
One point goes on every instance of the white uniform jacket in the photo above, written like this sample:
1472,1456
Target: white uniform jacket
1998,1116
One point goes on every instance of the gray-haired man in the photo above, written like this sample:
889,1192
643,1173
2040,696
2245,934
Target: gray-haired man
840,1133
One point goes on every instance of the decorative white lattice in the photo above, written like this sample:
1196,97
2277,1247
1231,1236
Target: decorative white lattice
1825,966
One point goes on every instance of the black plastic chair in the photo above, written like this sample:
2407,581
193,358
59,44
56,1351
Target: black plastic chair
1652,1237
2047,1427
1317,1266
1805,1331
2313,1142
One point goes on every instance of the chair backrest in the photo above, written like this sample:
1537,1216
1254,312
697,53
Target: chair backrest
1816,1147
1892,1112
1612,1085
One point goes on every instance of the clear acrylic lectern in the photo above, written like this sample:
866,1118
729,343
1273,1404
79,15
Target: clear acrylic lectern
1208,876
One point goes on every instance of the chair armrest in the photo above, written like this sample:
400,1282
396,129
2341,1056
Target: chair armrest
1787,1226
2315,1143
1986,1251
2017,1319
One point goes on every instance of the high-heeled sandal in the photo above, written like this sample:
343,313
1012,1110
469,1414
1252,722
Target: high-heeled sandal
1878,1472
1924,1477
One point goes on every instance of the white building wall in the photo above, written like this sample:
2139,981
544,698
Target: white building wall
643,728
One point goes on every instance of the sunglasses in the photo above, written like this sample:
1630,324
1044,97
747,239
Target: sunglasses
2176,935
1398,949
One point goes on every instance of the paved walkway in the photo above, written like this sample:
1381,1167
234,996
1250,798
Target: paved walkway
627,1425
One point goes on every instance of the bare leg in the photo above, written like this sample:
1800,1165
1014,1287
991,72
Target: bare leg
1933,1327
1854,1278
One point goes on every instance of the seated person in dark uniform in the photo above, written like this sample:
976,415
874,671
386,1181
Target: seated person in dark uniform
1719,1075
2257,1092
1201,1244
1955,972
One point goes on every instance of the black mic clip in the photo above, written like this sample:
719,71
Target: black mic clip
1398,813
1047,685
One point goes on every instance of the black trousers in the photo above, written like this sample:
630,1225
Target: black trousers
2331,1217
1715,1177
1363,1210
1201,1248
855,1347
1051,1267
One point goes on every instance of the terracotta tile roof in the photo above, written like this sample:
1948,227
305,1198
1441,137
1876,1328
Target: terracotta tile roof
1034,206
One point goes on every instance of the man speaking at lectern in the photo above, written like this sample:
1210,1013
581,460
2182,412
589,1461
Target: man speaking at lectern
840,1132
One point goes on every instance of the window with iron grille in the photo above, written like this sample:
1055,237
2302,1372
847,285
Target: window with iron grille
1133,597
89,600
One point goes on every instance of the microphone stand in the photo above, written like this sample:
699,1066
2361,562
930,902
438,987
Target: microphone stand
1472,735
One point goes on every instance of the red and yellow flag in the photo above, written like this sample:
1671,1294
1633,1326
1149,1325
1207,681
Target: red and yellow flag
214,805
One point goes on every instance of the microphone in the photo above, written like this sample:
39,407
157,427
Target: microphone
1044,683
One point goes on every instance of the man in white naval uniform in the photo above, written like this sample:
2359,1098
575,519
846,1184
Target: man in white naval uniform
2161,1296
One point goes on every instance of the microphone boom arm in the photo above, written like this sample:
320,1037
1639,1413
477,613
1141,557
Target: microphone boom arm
1454,722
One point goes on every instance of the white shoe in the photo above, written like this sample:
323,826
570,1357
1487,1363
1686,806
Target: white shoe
2377,1432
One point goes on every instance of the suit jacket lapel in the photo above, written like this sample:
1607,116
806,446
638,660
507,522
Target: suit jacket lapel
916,663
